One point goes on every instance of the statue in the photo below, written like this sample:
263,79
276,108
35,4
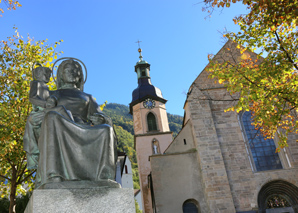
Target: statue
39,93
69,139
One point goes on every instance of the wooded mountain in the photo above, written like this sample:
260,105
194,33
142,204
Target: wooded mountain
123,124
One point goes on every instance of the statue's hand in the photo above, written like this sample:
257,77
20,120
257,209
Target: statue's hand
99,118
51,102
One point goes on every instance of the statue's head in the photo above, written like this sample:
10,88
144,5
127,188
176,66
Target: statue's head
42,74
70,71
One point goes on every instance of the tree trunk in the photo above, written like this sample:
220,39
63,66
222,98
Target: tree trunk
13,190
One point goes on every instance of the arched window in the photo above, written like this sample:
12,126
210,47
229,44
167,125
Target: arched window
151,120
190,206
155,146
262,151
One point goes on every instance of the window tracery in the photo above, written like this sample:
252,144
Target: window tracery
262,151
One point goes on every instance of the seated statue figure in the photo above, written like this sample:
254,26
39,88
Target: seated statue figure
79,147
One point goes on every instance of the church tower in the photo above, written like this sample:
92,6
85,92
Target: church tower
151,127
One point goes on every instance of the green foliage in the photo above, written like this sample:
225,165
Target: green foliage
175,123
21,203
136,184
120,116
175,119
267,87
137,207
4,205
17,57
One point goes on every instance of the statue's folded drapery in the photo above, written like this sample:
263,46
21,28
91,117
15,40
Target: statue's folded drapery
77,150
32,132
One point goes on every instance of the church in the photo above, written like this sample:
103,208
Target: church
218,162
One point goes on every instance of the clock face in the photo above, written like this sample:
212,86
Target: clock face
149,103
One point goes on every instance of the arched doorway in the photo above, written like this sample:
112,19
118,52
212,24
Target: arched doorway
278,196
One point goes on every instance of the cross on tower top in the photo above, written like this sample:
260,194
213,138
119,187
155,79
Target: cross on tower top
140,50
139,43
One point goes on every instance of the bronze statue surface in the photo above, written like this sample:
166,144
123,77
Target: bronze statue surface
70,139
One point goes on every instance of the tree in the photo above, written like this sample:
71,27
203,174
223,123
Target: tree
10,4
137,207
266,86
17,57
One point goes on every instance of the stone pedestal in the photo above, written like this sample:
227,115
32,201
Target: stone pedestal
102,200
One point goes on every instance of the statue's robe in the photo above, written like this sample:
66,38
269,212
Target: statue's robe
75,150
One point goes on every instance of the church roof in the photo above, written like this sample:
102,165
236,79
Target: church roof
146,89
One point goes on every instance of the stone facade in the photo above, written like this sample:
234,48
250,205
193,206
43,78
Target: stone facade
175,174
214,166
230,180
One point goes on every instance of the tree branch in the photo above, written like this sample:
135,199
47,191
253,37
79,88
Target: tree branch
5,177
21,162
21,181
22,172
284,50
211,99
9,161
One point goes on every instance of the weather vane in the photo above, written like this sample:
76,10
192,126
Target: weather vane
140,50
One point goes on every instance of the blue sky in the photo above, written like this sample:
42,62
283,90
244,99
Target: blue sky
176,39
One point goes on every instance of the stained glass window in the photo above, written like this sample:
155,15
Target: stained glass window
263,151
151,122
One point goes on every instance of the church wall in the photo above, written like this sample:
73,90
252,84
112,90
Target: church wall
184,140
143,151
293,149
244,183
230,152
214,177
175,180
186,112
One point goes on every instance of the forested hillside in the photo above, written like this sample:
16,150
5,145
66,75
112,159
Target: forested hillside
123,125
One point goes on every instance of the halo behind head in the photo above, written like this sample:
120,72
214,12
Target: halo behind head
75,62
76,65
